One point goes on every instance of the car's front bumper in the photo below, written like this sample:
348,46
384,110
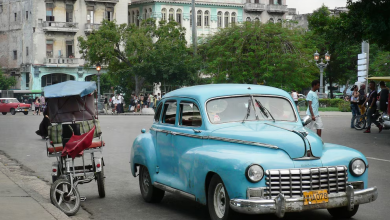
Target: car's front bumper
21,109
281,205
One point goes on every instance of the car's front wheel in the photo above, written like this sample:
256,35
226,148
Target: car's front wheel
218,200
13,111
343,212
150,193
25,113
4,113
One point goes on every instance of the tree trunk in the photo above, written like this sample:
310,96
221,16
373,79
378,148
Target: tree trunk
346,87
330,86
136,85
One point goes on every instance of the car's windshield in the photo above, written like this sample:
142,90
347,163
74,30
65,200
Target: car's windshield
13,101
232,109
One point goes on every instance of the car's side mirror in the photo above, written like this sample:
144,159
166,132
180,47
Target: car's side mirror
306,120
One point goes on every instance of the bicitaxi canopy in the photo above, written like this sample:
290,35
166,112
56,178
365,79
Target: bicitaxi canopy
69,88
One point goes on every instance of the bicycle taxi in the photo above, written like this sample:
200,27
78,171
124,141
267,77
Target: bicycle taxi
75,132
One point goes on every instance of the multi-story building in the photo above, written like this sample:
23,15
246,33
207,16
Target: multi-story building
210,14
38,38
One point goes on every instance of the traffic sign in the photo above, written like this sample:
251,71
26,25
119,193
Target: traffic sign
361,79
362,62
362,67
362,56
362,73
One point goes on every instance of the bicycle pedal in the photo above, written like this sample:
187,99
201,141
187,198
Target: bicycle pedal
83,198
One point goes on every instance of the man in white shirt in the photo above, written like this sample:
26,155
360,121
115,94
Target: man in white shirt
312,109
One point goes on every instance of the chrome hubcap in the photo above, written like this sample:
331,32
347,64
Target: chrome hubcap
66,199
219,200
145,182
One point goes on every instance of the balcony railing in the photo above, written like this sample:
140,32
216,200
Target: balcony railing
60,26
62,61
91,27
277,8
254,7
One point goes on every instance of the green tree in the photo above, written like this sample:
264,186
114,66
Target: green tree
6,82
380,66
256,53
367,20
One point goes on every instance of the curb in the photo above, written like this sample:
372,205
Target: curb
35,187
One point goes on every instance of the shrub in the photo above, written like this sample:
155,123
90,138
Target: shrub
344,106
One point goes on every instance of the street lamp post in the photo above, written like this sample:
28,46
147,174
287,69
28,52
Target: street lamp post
322,66
98,68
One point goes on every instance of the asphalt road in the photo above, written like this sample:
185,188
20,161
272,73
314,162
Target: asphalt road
123,198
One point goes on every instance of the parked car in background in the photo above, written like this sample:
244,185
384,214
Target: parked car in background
12,105
322,95
244,148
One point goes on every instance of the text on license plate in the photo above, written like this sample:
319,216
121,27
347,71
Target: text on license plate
25,110
315,197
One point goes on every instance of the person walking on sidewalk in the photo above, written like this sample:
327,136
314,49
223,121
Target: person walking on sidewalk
362,99
354,104
294,95
371,118
312,110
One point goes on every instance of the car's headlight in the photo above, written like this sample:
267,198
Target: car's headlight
357,167
254,173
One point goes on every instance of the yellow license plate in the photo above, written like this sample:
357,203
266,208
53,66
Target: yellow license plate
25,110
315,197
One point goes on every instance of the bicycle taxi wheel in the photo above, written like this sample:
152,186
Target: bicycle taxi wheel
360,122
100,183
64,197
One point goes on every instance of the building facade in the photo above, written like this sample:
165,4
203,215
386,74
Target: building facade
38,38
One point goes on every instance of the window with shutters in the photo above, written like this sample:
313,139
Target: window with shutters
110,14
1,9
171,14
164,14
178,16
137,18
26,51
69,49
233,18
226,19
150,13
15,54
69,13
90,14
26,15
49,48
199,18
206,18
16,16
190,18
49,12
145,14
248,19
27,80
219,15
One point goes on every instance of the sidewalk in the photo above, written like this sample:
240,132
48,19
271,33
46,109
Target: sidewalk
329,114
24,196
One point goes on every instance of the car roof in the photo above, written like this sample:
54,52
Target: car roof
7,98
205,92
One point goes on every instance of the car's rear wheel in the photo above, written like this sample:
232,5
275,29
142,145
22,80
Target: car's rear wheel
12,111
150,193
25,113
218,200
343,212
4,113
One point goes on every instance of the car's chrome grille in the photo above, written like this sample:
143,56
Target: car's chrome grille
293,182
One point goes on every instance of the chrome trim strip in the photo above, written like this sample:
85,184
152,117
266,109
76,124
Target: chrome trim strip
230,140
174,191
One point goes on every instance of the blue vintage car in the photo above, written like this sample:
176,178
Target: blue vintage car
244,148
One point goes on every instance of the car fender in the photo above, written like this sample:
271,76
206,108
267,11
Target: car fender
143,152
334,155
230,162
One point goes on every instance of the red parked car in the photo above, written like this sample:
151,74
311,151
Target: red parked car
13,105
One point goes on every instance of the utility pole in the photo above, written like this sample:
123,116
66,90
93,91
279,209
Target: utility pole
194,36
366,49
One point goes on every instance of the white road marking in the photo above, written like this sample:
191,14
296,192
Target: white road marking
373,158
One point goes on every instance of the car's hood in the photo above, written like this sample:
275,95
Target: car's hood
23,105
265,133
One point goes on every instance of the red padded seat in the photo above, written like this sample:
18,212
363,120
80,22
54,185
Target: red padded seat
94,144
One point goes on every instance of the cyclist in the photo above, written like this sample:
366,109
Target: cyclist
371,99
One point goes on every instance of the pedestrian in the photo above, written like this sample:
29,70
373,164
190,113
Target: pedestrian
106,104
151,101
294,95
158,96
117,104
113,104
155,102
120,102
42,104
362,99
371,117
136,104
384,97
312,110
33,105
131,102
354,104
37,106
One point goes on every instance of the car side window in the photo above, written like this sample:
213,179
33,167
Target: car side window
169,116
158,113
190,114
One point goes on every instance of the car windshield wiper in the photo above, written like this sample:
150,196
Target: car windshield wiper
264,110
248,111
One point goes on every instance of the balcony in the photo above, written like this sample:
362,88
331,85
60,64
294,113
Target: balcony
60,26
91,27
104,1
277,9
254,7
62,62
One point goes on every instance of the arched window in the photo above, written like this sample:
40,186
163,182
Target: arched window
191,18
271,20
131,17
257,19
171,12
145,14
164,14
279,20
178,16
206,18
137,18
226,19
150,13
199,18
55,78
248,19
233,17
219,19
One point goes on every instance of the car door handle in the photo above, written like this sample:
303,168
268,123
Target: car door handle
173,133
197,131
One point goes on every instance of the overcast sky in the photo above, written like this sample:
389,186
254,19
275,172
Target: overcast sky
308,6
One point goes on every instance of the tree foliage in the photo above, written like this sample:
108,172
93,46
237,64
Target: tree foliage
135,54
255,53
6,82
